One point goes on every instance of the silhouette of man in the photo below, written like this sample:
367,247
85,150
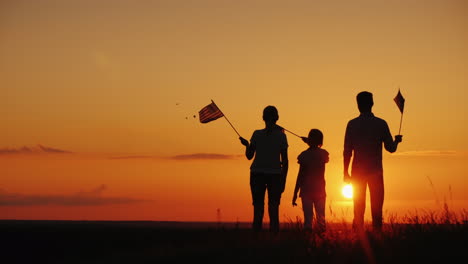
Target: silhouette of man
363,141
269,168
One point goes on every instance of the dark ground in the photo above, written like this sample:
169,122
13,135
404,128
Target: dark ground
170,242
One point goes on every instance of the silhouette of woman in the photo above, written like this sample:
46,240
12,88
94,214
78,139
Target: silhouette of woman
269,168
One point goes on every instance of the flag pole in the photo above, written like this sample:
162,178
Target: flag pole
292,133
401,120
401,108
226,119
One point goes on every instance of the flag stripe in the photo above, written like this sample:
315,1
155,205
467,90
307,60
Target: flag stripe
209,113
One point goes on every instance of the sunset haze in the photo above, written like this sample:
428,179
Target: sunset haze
100,102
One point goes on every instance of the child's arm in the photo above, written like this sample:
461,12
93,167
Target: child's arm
284,168
347,154
298,184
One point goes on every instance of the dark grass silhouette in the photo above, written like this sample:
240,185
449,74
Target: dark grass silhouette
432,238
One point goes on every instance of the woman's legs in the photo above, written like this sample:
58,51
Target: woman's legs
258,188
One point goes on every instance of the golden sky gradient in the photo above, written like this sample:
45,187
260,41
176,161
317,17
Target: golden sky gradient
117,83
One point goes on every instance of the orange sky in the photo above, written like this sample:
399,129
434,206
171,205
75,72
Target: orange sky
107,79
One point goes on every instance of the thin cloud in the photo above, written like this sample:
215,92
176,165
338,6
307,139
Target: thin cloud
83,198
52,150
15,150
429,153
182,157
204,156
133,157
39,149
94,192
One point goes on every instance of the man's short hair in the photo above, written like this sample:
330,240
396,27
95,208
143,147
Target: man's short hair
365,100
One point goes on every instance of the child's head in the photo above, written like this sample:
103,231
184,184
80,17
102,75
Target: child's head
315,138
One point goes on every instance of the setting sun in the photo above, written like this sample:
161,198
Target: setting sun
347,191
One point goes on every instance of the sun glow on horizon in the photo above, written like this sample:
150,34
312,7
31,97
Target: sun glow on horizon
103,124
347,191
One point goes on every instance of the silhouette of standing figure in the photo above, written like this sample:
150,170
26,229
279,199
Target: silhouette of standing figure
311,180
363,141
269,168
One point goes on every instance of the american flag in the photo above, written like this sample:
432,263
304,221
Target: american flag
400,101
209,113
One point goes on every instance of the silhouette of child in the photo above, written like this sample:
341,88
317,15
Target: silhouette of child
311,180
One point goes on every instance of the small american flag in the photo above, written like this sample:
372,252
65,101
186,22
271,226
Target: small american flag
400,101
209,113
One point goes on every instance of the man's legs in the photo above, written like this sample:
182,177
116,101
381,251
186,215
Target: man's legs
376,191
359,193
274,186
257,188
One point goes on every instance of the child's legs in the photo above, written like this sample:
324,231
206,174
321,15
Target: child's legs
308,212
257,188
319,205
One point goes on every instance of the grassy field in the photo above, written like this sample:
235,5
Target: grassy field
428,239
